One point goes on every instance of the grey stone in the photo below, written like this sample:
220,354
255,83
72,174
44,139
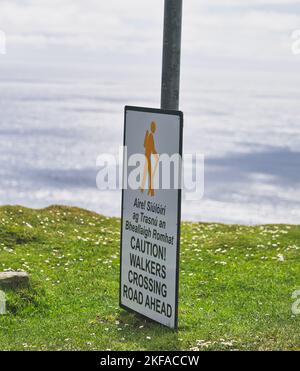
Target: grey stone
12,280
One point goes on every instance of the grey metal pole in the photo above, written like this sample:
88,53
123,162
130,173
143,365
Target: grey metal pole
171,55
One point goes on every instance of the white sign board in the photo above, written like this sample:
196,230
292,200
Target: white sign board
150,228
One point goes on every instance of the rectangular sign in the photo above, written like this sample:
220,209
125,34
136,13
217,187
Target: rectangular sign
151,207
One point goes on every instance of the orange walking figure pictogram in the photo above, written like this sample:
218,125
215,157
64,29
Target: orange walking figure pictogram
150,149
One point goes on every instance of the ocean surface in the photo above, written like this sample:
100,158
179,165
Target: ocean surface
247,127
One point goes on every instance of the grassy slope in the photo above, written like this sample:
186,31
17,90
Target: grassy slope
234,291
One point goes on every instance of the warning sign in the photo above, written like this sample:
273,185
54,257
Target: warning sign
151,203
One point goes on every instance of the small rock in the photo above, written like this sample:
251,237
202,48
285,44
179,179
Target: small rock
12,280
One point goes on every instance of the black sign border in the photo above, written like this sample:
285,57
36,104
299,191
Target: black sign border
180,115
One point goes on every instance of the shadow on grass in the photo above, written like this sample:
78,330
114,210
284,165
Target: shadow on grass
160,337
26,301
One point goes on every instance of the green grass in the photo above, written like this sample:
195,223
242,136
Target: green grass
236,285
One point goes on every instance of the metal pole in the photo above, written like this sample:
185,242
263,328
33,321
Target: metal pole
171,55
